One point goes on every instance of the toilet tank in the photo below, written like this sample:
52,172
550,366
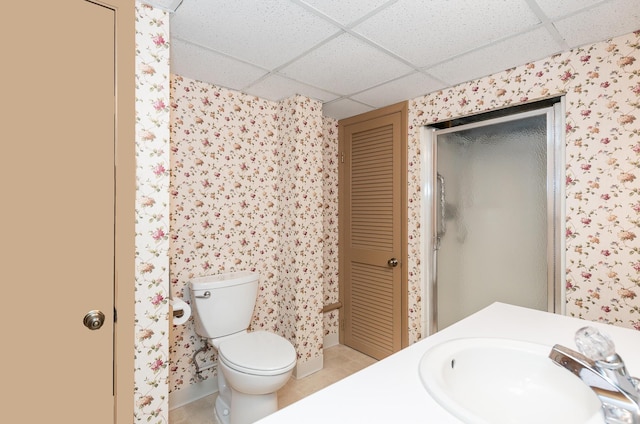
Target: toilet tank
223,303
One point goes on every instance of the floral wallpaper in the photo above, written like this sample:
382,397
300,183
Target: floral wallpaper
330,160
601,83
301,225
152,215
224,209
246,194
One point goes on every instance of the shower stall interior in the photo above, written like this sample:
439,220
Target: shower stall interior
493,218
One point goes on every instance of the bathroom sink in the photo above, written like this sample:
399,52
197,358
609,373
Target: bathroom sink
486,380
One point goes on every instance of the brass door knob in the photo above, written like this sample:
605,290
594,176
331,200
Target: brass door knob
93,320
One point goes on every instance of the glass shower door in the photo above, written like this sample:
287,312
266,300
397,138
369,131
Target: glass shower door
493,215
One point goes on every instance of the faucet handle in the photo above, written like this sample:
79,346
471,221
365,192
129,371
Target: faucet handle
593,344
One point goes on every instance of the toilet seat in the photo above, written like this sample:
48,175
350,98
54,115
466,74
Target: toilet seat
258,353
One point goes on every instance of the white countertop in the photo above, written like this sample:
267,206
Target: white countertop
390,391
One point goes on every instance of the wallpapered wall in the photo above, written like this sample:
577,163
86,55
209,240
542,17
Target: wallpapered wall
247,194
602,86
152,215
330,198
301,230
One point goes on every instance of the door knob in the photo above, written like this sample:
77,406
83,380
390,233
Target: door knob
93,320
393,262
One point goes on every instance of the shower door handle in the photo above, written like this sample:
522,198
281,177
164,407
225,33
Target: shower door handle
441,227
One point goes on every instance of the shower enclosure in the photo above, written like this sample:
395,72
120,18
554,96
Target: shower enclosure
492,210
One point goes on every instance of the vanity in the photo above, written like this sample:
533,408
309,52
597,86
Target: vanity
392,390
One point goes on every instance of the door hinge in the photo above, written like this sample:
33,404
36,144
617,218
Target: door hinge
115,315
341,325
342,157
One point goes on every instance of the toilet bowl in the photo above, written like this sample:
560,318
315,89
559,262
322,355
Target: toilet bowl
252,366
255,366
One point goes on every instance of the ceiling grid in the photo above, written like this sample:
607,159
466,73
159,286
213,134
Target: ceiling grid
359,55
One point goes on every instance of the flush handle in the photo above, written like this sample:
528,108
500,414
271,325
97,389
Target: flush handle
93,320
393,262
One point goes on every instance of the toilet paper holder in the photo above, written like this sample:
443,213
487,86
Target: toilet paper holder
180,311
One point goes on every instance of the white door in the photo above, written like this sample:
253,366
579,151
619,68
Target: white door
57,232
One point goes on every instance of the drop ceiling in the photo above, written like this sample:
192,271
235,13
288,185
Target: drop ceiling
359,55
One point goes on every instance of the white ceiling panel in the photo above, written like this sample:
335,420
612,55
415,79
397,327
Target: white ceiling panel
253,31
612,18
344,108
428,33
277,87
398,90
345,64
355,55
555,8
345,12
204,65
518,50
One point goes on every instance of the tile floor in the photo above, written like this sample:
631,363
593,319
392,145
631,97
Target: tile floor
339,362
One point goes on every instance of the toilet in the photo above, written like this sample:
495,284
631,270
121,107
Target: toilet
252,366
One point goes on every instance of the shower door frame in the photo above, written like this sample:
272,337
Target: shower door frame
555,208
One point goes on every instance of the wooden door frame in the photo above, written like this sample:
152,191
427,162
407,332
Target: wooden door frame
125,194
401,107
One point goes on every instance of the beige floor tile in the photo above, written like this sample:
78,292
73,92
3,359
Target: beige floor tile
197,412
339,362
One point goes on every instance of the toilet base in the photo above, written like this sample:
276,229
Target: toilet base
247,409
222,407
222,410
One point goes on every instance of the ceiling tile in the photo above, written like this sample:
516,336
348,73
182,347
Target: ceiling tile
423,35
409,87
327,49
345,12
610,19
253,31
498,57
345,65
344,108
554,8
201,64
276,87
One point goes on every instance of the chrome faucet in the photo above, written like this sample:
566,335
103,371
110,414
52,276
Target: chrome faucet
602,369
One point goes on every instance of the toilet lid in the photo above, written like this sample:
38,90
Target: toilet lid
258,352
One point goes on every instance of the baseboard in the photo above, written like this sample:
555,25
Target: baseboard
331,340
307,368
193,392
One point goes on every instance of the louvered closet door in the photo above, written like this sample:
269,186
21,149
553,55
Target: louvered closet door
372,195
